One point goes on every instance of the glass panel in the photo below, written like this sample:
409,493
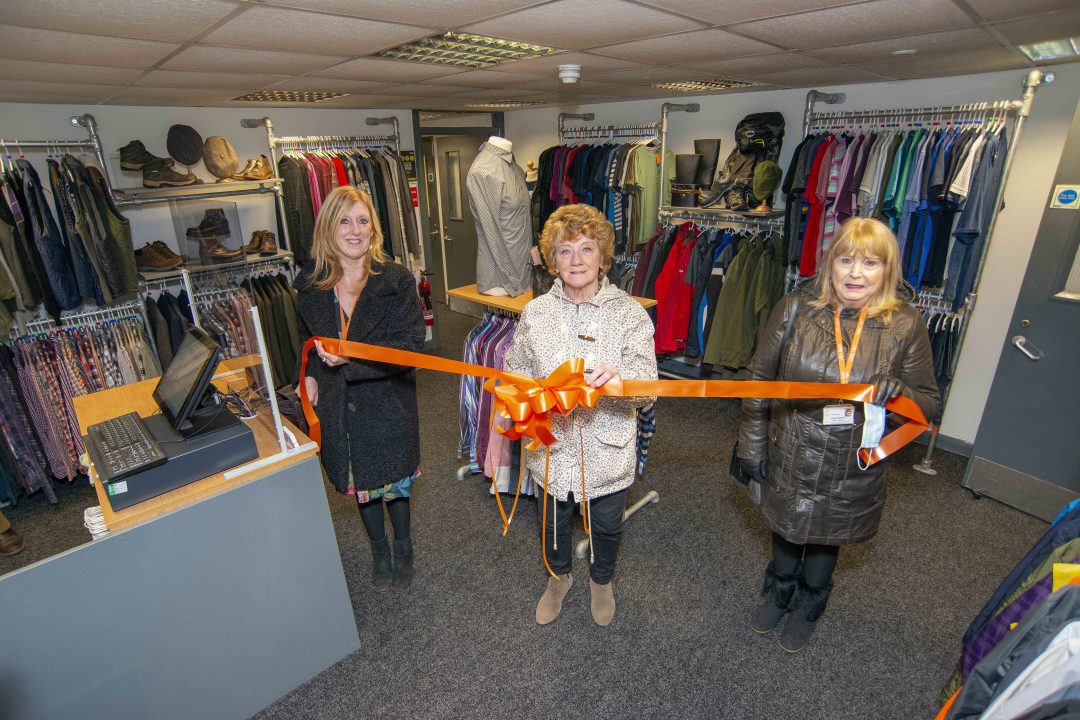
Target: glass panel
453,184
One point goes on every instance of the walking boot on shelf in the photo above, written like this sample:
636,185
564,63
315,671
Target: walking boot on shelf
134,156
215,224
781,592
255,242
382,573
403,563
804,616
550,604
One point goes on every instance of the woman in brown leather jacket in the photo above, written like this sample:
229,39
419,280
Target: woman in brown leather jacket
815,495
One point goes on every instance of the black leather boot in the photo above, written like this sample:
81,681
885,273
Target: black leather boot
782,592
381,573
803,619
403,567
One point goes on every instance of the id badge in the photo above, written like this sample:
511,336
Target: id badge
362,496
842,414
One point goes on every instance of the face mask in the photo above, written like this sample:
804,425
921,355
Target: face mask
873,426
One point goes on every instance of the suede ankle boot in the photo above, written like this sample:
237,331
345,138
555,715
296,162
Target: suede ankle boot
403,566
603,602
803,619
781,592
550,604
381,573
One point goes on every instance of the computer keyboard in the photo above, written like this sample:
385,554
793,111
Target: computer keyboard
124,447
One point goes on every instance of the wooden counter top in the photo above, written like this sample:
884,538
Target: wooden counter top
513,304
138,397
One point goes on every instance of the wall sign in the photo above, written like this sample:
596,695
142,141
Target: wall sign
1066,196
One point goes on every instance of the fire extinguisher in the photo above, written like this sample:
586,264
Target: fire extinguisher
426,305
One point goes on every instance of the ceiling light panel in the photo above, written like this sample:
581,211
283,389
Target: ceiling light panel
704,85
466,50
289,96
1052,49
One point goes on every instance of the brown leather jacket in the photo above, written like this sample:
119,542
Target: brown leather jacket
815,491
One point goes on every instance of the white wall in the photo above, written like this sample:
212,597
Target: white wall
119,124
1026,194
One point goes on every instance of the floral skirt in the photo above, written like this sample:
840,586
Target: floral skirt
390,491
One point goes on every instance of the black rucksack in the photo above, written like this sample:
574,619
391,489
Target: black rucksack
758,137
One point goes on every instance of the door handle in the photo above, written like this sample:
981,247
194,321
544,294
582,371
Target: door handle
1034,354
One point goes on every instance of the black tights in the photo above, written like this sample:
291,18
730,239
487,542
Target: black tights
372,515
818,561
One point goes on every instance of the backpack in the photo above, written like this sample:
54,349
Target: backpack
758,137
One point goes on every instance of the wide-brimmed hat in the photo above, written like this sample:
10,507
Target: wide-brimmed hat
220,157
185,145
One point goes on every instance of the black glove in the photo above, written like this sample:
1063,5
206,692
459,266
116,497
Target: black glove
886,387
756,469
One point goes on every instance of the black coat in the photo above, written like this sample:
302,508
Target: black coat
367,410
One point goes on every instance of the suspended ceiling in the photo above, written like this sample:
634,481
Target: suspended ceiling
207,52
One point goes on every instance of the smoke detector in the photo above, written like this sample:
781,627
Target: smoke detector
569,73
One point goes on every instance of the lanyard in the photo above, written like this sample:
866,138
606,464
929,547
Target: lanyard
845,363
345,322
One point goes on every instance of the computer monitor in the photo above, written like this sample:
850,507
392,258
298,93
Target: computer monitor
185,382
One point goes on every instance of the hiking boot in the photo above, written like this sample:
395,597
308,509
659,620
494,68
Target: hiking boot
254,243
150,257
155,175
269,244
215,224
258,169
212,251
134,156
165,250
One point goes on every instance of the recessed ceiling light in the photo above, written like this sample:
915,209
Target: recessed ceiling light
502,104
704,85
289,96
465,50
906,51
1052,49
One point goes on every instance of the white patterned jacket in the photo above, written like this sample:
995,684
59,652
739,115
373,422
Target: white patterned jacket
552,330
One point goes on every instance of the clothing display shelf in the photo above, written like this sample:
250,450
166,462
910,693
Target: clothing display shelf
982,112
274,142
92,143
679,367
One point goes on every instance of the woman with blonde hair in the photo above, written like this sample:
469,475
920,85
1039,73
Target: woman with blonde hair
371,437
849,326
593,462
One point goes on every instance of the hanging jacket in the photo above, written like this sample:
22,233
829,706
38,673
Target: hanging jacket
815,491
48,241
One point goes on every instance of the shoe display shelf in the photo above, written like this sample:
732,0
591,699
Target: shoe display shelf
282,256
144,196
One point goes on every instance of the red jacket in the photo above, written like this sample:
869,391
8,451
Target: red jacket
673,294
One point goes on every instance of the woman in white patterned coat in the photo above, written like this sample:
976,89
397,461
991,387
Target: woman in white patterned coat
585,316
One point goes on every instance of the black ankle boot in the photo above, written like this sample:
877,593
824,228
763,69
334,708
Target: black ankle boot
381,573
781,591
403,567
803,619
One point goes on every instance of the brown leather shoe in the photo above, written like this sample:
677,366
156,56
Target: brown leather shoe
150,257
165,250
260,169
255,243
269,244
11,542
212,251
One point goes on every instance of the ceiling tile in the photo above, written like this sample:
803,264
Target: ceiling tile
817,76
502,93
742,68
54,46
1056,26
481,79
172,95
649,76
317,84
701,45
727,12
865,21
169,20
552,85
925,45
549,65
60,72
430,90
177,79
304,32
996,10
363,100
397,71
202,58
36,91
579,24
962,63
433,14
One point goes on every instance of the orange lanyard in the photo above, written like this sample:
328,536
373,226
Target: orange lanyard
845,363
345,322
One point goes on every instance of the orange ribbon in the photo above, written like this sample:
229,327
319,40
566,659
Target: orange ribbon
529,402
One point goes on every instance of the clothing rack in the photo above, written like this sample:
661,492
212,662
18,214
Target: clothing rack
92,143
981,112
722,218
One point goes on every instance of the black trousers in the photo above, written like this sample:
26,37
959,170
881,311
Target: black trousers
606,526
818,561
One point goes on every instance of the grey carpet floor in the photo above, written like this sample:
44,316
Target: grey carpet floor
462,643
